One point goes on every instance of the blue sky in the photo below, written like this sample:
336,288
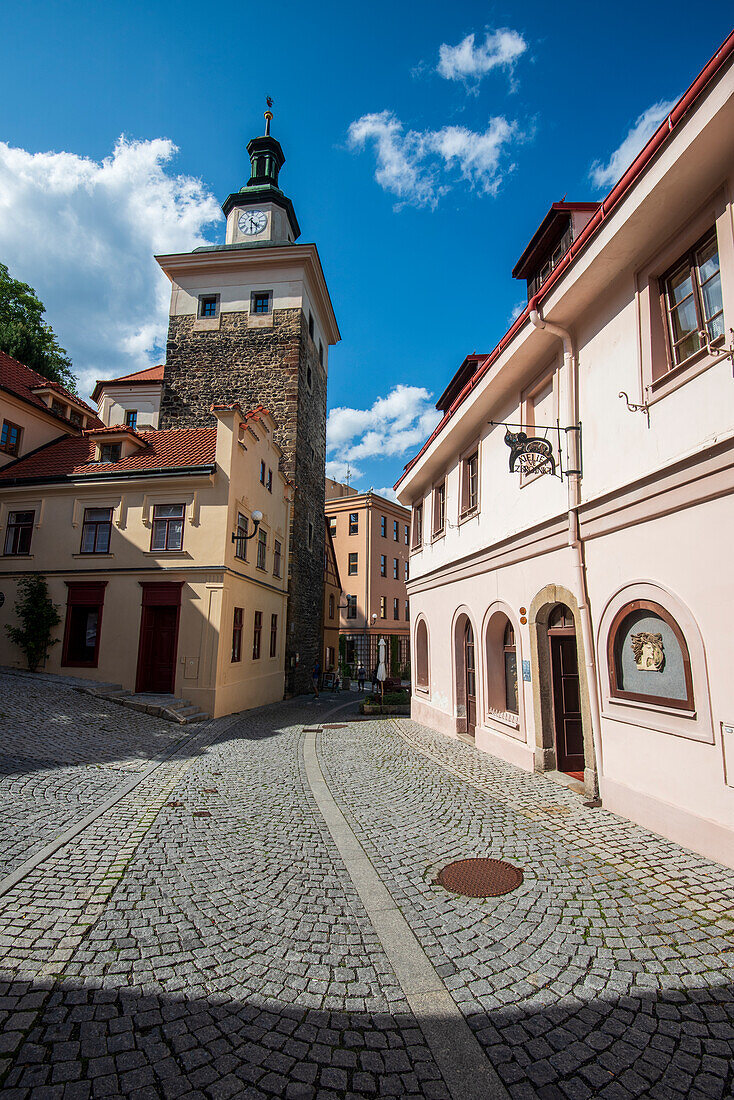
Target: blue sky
419,160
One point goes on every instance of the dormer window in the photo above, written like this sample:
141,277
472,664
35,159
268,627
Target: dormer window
110,452
58,407
552,240
76,418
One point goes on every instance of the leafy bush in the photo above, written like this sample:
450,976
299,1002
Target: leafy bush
38,617
392,699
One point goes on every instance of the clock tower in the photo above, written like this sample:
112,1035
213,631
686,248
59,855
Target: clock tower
251,321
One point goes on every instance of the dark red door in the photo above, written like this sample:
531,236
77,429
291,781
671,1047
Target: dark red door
471,681
158,637
567,703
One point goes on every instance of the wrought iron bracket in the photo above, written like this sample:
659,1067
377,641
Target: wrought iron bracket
718,350
633,408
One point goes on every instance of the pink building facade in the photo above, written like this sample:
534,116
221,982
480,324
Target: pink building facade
574,616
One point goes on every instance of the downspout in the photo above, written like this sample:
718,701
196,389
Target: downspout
573,480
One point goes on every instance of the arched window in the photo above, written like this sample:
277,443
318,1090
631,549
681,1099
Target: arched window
421,655
510,661
331,605
648,657
560,618
501,664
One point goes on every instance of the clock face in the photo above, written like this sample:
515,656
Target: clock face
252,222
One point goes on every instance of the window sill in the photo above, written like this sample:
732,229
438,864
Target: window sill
166,553
12,557
656,708
505,718
94,556
676,377
437,535
471,513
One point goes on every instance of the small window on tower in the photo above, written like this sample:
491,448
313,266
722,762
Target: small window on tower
208,305
309,377
321,353
260,302
310,325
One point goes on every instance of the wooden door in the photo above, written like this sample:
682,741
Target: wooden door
158,638
470,680
567,703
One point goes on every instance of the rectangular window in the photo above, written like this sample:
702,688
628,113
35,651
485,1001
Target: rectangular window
260,301
257,631
332,525
396,608
262,473
352,567
131,418
10,438
407,535
240,543
321,353
83,623
96,531
383,565
353,523
351,607
693,304
407,572
168,524
310,324
18,533
407,611
417,527
273,635
58,408
270,480
470,483
208,305
439,508
383,607
237,635
262,546
277,554
396,530
395,569
110,452
75,418
383,526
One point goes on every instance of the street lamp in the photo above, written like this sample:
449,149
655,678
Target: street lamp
257,517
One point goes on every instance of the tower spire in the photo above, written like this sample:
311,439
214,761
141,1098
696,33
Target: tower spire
268,115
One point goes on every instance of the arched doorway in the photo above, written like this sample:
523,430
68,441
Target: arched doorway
466,677
568,725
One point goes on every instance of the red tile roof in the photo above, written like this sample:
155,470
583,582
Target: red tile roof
20,380
73,456
140,377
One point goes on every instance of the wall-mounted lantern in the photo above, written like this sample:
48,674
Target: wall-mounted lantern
257,517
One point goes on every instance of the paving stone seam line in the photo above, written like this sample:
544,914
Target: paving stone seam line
467,1072
11,881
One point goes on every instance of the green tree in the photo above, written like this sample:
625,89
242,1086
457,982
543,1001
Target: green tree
38,616
26,336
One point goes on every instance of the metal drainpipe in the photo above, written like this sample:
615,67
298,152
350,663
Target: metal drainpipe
574,533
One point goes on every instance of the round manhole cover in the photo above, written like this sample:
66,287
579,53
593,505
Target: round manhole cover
479,878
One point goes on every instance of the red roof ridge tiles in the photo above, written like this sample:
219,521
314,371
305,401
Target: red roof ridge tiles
147,374
71,457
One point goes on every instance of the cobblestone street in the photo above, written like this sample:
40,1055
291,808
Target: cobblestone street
258,917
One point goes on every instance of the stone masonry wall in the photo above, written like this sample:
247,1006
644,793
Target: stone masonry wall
266,366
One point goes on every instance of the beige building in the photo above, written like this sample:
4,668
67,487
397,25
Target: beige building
332,600
33,411
140,536
371,536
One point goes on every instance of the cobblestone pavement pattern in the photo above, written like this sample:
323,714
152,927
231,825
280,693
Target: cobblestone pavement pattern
203,938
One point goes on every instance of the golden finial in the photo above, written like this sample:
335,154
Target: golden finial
268,115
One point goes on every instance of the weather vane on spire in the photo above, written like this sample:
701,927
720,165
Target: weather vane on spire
268,115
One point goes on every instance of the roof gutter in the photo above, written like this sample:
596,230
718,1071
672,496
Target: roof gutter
613,199
113,475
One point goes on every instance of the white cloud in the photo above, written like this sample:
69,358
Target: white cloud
83,233
605,175
388,493
340,471
417,165
391,426
469,62
516,311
